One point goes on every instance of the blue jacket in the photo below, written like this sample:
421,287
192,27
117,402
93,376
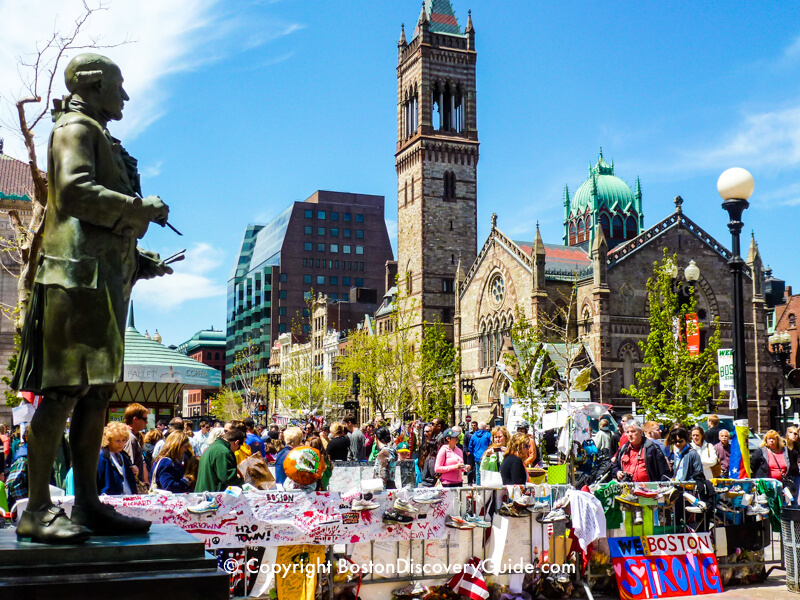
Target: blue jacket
169,476
109,479
280,474
479,443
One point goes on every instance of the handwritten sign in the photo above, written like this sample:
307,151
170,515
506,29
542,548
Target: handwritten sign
665,566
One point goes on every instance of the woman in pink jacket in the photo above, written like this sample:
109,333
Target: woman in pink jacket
450,461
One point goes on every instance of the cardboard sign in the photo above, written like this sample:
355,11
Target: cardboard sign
665,566
692,334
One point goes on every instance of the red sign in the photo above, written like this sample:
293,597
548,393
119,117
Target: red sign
665,566
467,419
692,334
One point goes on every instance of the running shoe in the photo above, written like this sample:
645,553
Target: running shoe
427,497
757,509
747,499
360,505
557,514
524,501
457,522
762,499
645,493
540,507
477,521
207,504
396,518
627,498
404,506
509,510
414,589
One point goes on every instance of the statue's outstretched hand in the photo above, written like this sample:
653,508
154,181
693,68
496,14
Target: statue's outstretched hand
151,265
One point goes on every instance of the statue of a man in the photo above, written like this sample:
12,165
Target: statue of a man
74,330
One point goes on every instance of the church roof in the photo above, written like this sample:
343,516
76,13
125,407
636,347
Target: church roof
441,16
16,182
603,188
560,258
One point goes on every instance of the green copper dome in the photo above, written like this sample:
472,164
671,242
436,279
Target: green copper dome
603,188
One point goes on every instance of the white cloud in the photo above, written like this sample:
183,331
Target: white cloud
767,139
166,37
151,171
193,279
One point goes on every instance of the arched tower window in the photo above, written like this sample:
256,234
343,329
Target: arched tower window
572,236
605,225
449,186
792,320
616,229
581,231
405,194
412,189
630,228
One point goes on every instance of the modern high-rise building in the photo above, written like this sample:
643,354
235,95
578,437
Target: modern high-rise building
328,244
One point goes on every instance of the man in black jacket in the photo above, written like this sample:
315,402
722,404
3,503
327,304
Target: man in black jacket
639,459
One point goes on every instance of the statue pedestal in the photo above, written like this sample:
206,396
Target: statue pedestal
167,562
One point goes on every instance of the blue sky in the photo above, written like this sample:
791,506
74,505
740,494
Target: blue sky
234,113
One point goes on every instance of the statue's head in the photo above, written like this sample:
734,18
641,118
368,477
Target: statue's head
98,81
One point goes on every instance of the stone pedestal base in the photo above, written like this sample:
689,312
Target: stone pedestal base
165,563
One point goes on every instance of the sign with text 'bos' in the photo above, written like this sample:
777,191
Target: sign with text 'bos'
665,566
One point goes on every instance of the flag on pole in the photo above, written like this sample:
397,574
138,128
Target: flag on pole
740,452
470,582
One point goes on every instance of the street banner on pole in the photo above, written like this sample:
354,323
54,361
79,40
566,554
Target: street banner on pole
692,334
725,363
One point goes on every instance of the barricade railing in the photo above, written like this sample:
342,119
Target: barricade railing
467,501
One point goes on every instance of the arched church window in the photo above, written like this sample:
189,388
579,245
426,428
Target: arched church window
449,187
616,228
630,228
572,235
792,320
605,225
581,231
628,358
588,226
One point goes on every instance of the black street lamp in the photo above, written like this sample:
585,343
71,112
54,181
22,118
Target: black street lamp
736,186
781,343
467,387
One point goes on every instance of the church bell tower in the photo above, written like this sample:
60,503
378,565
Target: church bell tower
436,159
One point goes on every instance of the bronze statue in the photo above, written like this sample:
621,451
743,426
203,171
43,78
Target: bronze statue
73,335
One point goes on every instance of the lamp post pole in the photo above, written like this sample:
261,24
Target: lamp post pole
735,186
781,351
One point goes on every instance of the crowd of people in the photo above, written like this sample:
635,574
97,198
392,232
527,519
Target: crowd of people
174,457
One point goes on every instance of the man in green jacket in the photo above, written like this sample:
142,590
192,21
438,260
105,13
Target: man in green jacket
217,469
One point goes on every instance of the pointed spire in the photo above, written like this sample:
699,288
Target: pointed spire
460,277
600,243
566,195
469,22
494,220
423,15
402,41
601,153
538,244
753,253
131,323
638,192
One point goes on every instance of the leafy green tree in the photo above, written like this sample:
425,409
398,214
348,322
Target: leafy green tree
673,384
228,405
387,363
530,367
439,362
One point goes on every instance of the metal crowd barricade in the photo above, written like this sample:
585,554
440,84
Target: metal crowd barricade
478,548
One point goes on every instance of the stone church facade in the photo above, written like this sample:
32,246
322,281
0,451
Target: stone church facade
606,252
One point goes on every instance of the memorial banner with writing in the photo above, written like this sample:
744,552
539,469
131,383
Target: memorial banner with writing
692,334
665,566
277,518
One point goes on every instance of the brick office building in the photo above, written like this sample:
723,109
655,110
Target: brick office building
16,193
328,244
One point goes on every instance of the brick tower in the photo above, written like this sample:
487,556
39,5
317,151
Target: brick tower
436,159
